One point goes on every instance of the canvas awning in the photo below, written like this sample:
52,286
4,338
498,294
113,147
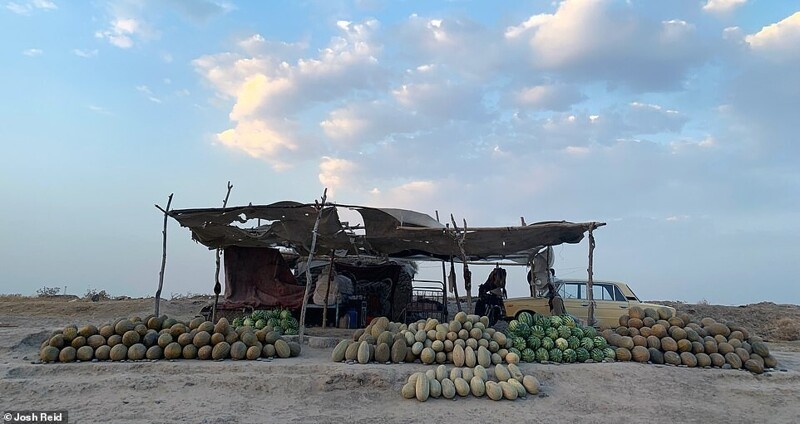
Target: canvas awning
386,232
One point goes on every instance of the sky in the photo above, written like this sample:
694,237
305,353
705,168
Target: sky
673,122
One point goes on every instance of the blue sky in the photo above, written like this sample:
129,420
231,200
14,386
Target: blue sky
675,122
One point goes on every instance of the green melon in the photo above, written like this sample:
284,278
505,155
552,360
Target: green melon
656,356
164,340
154,352
57,341
542,355
137,351
760,348
150,338
671,357
253,352
118,352
703,360
734,360
221,350
167,322
69,333
717,360
623,354
123,326
78,341
189,351
106,330
283,350
130,338
102,353
217,338
556,355
177,329
84,353
202,338
770,361
238,350
49,353
185,339
569,356
173,351
383,352
204,352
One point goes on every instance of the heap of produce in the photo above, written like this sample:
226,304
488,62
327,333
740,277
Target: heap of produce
164,338
467,340
278,320
538,338
496,383
648,335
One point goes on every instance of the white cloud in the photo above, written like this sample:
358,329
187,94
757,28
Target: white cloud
85,53
32,52
335,173
604,40
779,40
145,90
722,6
29,7
549,97
120,33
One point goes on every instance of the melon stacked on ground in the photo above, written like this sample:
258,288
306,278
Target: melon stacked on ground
538,338
467,340
496,383
164,338
648,335
278,320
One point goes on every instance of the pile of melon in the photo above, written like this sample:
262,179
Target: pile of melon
467,340
648,335
503,383
162,337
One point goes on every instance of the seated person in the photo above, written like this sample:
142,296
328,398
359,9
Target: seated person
492,292
555,301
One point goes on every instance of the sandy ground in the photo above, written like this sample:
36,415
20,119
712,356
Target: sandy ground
311,389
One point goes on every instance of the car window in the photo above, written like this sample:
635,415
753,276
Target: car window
570,291
602,292
618,295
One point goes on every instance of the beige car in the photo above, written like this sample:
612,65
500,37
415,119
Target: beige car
612,300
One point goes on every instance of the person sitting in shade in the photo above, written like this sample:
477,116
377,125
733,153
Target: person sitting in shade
555,301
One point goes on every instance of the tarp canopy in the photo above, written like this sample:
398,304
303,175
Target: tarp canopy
386,232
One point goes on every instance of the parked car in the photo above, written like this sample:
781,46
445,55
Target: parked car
612,300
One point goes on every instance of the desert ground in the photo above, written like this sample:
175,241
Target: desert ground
312,389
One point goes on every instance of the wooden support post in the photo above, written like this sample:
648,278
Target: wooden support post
452,280
320,207
217,285
163,254
448,287
327,293
460,237
590,319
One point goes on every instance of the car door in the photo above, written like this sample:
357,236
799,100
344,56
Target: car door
609,302
574,295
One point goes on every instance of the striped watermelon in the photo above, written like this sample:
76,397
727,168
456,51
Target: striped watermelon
578,332
589,332
587,343
582,354
534,342
542,354
526,317
600,342
519,343
562,344
528,355
564,331
551,333
568,320
610,353
573,342
541,320
556,321
537,331
569,356
556,355
548,343
597,355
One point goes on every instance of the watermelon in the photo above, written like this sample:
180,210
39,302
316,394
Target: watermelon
541,320
515,351
587,343
582,354
589,332
542,355
556,321
548,343
274,322
555,355
562,344
537,331
248,322
569,356
597,355
577,332
573,342
285,313
568,320
519,343
534,342
512,327
564,331
238,322
551,333
610,353
522,330
600,342
261,323
528,355
525,317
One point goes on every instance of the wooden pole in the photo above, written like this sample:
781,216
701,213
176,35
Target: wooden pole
163,254
590,318
448,286
319,207
460,237
217,286
327,293
452,280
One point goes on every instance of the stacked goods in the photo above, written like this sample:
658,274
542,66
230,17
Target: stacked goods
648,335
505,383
538,338
163,338
466,340
278,320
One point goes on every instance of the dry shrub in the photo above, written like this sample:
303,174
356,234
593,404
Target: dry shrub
787,329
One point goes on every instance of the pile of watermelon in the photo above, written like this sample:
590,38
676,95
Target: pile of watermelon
278,320
538,338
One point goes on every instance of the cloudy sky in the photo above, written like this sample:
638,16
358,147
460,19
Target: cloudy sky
674,122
